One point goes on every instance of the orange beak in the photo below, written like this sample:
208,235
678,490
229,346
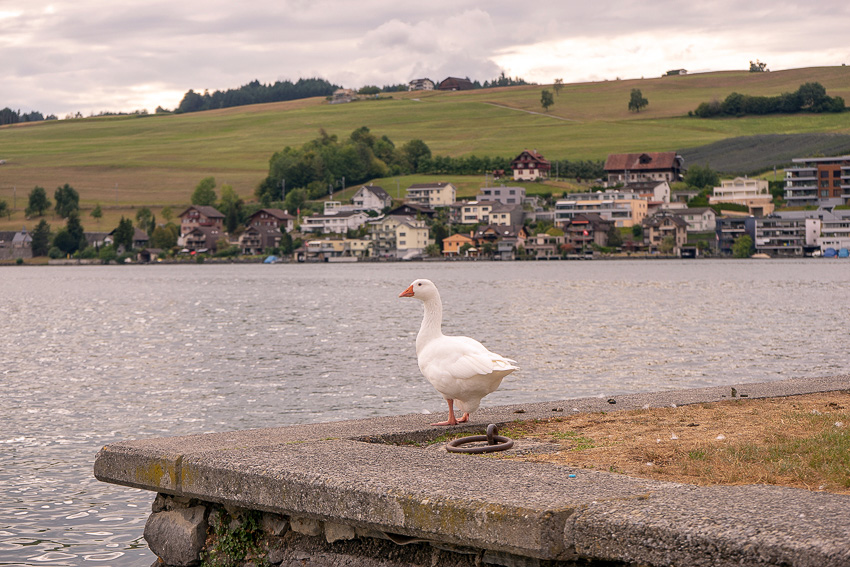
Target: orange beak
408,292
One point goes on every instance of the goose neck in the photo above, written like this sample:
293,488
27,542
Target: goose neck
432,321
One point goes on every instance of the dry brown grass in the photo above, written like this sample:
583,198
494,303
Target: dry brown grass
799,441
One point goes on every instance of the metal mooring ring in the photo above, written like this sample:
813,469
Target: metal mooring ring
504,443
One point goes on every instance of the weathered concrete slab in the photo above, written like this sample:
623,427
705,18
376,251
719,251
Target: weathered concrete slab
331,473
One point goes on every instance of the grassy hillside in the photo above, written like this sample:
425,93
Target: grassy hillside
122,162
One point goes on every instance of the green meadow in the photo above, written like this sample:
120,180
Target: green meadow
156,161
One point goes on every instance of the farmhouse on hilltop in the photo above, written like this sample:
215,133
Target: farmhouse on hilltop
625,169
530,165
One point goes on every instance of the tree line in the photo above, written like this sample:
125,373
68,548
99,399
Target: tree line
255,93
810,97
9,116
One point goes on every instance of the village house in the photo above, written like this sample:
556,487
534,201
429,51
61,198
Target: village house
752,193
412,210
274,218
504,195
202,239
371,198
657,228
544,246
200,216
506,214
432,194
624,208
699,219
421,85
625,169
504,239
15,244
585,230
452,244
339,223
474,212
257,239
324,249
530,165
398,236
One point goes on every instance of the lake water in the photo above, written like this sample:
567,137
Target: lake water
96,355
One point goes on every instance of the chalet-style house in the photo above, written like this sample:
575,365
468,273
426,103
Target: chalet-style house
200,216
585,230
273,218
625,169
421,85
371,198
257,239
432,194
699,219
530,165
202,239
657,228
455,84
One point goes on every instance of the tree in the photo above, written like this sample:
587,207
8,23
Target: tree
4,209
164,237
546,100
41,239
231,206
743,246
38,202
701,177
636,101
758,67
558,85
144,216
615,237
204,194
667,244
122,236
167,213
70,238
67,201
97,213
416,152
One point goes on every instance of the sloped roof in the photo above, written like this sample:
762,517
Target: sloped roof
642,161
530,156
207,211
276,213
376,190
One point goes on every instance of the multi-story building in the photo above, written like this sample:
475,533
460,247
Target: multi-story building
371,198
200,216
338,223
432,194
699,219
777,236
658,227
753,193
624,208
474,212
730,229
504,195
815,181
624,169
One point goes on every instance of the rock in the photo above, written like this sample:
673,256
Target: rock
274,524
177,536
306,526
335,532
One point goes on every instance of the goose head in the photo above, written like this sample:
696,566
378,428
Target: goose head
423,290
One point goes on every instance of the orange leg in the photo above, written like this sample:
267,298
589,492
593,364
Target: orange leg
452,420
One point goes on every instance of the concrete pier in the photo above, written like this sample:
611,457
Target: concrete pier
345,493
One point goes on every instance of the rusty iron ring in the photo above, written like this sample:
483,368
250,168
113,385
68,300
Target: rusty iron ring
504,443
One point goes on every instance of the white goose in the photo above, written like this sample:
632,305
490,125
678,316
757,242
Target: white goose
460,368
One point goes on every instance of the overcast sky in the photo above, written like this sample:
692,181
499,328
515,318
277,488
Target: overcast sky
90,56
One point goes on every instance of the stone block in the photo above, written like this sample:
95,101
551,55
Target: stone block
336,532
305,526
177,536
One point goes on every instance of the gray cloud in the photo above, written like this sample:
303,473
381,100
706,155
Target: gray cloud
99,55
